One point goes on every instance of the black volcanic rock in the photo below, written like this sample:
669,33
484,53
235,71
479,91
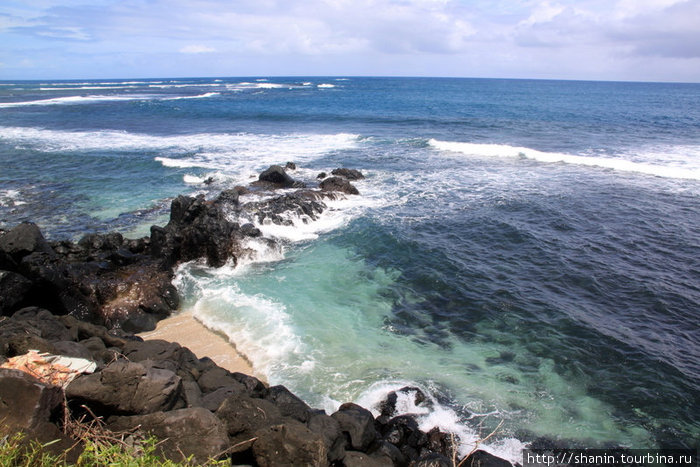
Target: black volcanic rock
350,174
277,176
338,184
197,229
186,432
14,290
358,423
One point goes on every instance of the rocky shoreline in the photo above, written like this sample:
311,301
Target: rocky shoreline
86,300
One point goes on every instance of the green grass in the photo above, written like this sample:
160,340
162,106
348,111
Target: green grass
16,451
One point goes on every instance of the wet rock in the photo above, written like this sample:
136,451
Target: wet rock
249,230
187,432
306,205
14,289
290,443
290,166
126,388
321,175
403,430
228,197
338,184
388,405
358,423
277,176
350,174
196,229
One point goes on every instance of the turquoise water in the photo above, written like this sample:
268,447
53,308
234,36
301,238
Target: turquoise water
525,251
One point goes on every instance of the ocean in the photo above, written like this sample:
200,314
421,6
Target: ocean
524,251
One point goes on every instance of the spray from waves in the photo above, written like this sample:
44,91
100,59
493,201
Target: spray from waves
10,198
432,414
656,163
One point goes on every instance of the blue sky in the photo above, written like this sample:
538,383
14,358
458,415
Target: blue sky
639,40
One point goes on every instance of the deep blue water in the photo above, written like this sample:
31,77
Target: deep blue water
524,250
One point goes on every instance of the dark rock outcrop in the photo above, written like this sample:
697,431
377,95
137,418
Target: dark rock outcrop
197,229
290,443
187,432
278,178
338,184
14,291
126,388
358,423
350,174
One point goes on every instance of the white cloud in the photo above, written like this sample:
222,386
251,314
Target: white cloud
196,49
518,38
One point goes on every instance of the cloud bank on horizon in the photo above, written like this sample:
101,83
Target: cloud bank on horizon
640,40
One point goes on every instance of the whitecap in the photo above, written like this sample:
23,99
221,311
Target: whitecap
688,169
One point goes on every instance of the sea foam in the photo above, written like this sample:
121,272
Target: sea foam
662,166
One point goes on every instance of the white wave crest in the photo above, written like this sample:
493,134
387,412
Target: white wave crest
229,153
74,100
662,165
200,96
326,85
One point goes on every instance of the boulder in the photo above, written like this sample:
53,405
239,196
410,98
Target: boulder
249,230
22,240
278,177
186,432
14,289
288,404
350,174
360,459
26,403
196,229
290,166
243,415
229,197
289,444
481,458
217,378
338,184
329,429
358,423
126,388
434,460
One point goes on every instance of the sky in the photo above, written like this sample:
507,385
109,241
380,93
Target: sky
621,40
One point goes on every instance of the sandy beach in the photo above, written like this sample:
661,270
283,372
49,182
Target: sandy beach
184,329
